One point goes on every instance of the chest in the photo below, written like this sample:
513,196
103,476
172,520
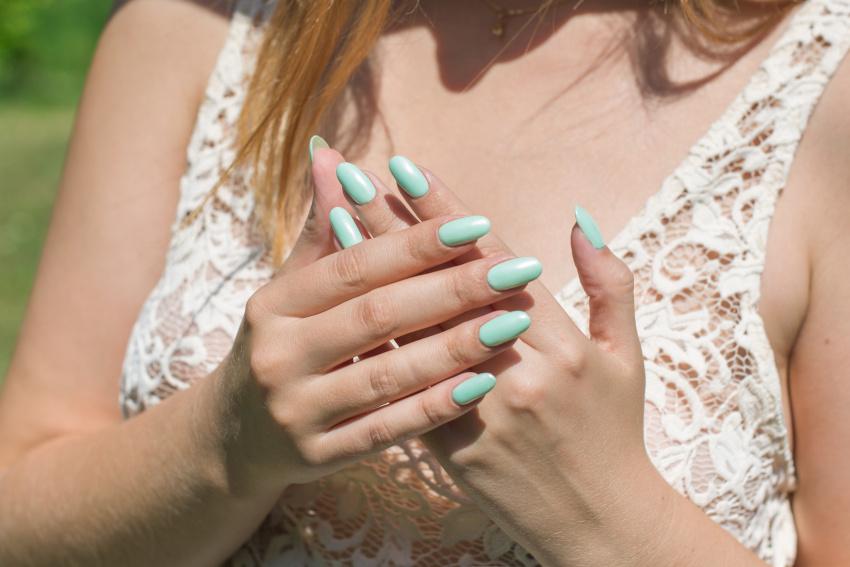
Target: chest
525,144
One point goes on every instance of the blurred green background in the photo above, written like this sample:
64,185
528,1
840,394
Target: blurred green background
45,49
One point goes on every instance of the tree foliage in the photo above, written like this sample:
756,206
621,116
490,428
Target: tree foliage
45,46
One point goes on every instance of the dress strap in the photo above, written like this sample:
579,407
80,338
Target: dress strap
211,148
759,135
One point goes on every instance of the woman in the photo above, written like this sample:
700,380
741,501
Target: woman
521,420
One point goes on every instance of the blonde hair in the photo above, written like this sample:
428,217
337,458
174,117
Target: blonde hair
311,51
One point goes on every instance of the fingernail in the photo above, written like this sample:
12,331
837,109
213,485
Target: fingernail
588,227
317,142
463,230
408,176
473,388
514,273
345,228
355,183
504,328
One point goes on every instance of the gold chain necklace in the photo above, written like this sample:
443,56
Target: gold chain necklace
503,15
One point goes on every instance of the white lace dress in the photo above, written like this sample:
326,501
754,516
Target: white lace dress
714,423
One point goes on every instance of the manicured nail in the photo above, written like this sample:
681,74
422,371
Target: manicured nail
345,228
463,230
356,184
317,142
588,227
504,328
473,388
514,273
408,176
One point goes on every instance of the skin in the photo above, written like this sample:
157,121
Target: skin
63,446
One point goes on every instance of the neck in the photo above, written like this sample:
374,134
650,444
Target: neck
559,33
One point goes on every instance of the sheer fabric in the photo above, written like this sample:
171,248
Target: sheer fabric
714,425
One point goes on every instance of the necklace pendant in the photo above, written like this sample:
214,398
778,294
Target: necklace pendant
498,29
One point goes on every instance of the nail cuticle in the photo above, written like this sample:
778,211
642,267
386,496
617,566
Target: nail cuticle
317,142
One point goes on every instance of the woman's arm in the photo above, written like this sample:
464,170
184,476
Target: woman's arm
70,469
820,361
110,228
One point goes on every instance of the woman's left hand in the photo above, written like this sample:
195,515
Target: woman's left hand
555,453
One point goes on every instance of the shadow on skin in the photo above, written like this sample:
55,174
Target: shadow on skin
456,435
466,50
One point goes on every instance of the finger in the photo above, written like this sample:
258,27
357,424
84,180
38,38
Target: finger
609,285
373,263
379,210
367,385
316,238
427,198
415,303
409,417
554,327
505,275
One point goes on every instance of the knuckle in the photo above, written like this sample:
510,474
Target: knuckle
348,268
380,435
622,278
430,410
312,453
376,315
459,289
526,394
255,309
459,349
416,246
383,383
286,417
262,362
569,359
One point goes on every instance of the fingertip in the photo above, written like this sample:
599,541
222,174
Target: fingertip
473,388
589,228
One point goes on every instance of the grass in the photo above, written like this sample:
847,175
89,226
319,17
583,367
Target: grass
32,150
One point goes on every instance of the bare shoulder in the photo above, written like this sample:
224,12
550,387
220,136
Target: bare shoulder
826,150
221,7
180,38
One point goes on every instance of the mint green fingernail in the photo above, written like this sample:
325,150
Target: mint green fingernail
317,142
514,273
589,227
355,183
408,176
504,328
463,230
473,388
345,228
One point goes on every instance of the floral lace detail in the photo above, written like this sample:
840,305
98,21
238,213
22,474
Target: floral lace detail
714,425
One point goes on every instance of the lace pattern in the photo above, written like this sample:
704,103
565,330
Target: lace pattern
714,425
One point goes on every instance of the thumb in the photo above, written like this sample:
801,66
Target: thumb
316,238
609,285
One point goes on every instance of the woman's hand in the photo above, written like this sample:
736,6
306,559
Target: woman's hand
290,403
555,454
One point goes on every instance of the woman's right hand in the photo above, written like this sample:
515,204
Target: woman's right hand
289,405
